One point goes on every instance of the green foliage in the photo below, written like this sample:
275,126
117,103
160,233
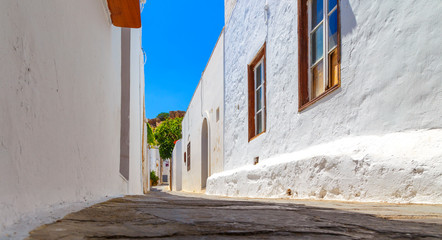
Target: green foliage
154,178
150,136
163,116
166,134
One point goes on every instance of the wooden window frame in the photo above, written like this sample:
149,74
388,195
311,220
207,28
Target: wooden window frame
260,57
304,99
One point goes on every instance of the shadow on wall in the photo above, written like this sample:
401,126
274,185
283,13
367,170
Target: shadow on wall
348,19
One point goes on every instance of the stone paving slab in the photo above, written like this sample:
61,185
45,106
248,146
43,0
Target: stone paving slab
161,215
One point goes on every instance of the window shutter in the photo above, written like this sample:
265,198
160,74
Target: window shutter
302,53
251,97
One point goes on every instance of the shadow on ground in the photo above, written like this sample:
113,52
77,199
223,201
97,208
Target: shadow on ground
163,215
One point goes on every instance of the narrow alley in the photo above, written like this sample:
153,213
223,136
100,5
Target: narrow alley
162,214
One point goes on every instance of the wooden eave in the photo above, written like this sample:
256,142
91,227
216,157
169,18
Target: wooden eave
125,13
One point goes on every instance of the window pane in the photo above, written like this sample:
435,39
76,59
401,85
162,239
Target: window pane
259,123
318,80
317,46
258,76
331,4
317,12
258,99
333,69
333,30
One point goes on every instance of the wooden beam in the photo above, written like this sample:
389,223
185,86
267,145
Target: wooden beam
125,13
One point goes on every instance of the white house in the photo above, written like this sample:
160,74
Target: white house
177,166
332,99
154,160
71,105
199,154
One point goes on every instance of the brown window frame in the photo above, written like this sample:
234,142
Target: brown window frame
261,55
304,100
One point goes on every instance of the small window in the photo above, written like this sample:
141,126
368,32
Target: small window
256,94
185,159
319,50
217,114
188,156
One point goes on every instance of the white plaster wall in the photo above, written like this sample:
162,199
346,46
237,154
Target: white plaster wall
207,98
136,112
177,165
165,171
390,83
213,99
60,107
402,167
191,132
154,158
390,76
229,5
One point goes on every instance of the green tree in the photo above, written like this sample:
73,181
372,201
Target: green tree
150,136
166,134
163,116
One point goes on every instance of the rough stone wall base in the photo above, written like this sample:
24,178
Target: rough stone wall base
404,167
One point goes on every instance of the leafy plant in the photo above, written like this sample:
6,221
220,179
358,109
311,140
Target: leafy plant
163,116
150,136
166,134
154,178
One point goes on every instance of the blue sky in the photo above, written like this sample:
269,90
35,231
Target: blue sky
178,38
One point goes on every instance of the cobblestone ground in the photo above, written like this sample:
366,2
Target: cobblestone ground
160,215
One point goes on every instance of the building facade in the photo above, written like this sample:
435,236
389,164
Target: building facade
201,152
72,103
332,100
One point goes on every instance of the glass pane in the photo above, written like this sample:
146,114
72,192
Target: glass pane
317,46
258,99
333,69
258,76
259,123
317,80
333,30
317,12
332,4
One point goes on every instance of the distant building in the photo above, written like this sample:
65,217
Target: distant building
72,105
200,152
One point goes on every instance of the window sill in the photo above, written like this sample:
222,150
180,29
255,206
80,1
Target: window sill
313,101
256,136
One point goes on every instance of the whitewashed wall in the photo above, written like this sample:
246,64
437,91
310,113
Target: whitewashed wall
207,98
177,165
229,5
136,112
391,77
154,160
60,88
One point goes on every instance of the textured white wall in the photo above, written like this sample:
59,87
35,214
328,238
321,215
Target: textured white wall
60,107
191,132
154,158
390,75
207,98
376,138
177,165
229,5
403,167
136,112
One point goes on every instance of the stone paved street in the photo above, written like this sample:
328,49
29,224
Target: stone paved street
171,216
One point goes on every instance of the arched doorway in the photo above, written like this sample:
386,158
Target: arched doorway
204,154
